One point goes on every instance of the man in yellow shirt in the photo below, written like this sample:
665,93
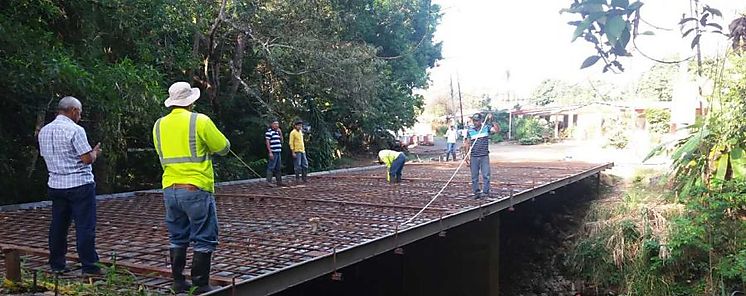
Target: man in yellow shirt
298,149
185,142
394,162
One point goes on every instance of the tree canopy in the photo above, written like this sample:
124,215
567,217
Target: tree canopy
346,67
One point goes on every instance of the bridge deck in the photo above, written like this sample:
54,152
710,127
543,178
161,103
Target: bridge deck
273,238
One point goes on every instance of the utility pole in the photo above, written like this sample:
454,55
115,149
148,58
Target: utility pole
453,103
460,102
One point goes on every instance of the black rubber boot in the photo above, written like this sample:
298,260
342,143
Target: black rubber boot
305,175
201,272
178,262
278,176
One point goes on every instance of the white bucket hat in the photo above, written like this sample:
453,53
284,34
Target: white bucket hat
181,94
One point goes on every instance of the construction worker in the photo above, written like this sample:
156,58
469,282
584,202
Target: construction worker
480,154
298,149
185,141
451,136
273,140
64,146
394,162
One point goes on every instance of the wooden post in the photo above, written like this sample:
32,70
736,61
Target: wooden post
12,265
510,125
556,127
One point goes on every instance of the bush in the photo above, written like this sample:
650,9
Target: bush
496,138
441,130
618,140
658,120
615,129
530,131
530,140
648,244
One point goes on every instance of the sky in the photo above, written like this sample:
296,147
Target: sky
484,39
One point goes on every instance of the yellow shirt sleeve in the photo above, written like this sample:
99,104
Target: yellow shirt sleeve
216,142
293,135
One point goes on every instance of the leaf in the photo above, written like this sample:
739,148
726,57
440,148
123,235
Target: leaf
620,3
722,168
688,32
592,8
695,42
634,6
624,39
714,25
688,19
738,163
580,29
585,24
590,61
614,27
713,11
703,20
648,33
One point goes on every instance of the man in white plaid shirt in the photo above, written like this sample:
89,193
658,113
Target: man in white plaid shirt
64,146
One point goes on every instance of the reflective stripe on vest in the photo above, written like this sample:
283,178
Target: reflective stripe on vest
192,144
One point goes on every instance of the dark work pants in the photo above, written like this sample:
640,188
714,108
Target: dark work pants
74,204
396,167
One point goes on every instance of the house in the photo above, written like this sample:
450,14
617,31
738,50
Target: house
588,121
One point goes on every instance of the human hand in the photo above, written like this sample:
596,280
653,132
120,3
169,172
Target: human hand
293,153
97,149
271,156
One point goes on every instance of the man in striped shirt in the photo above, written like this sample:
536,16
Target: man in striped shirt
480,154
273,139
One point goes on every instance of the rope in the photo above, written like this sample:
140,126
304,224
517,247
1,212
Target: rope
449,180
244,163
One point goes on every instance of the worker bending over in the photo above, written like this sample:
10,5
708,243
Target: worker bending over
185,141
394,162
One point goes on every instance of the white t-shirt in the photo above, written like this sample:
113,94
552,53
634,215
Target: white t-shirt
451,136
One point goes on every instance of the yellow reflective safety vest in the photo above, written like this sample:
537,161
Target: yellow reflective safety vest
388,157
185,141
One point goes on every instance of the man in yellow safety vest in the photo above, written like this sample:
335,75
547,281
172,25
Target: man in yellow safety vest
394,162
185,141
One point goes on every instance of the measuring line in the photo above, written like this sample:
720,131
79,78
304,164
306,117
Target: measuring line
244,163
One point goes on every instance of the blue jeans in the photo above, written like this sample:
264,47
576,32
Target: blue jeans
396,167
451,150
480,163
300,162
78,204
274,164
191,217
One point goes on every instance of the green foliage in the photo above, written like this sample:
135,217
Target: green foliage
116,281
558,92
616,130
496,138
659,120
712,235
530,130
612,28
657,83
606,25
441,130
347,68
